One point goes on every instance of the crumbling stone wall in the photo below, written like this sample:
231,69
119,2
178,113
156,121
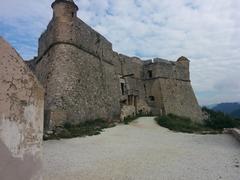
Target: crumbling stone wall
132,72
21,118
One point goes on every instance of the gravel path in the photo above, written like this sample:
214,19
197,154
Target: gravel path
143,151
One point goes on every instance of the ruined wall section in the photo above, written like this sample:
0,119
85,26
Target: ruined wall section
132,73
21,118
80,86
132,69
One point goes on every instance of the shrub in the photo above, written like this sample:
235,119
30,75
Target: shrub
129,119
215,123
67,125
179,124
219,120
88,128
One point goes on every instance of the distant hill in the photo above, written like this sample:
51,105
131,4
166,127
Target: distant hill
233,109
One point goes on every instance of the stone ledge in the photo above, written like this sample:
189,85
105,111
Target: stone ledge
38,59
235,132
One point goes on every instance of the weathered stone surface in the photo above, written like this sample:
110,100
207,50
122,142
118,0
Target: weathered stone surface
21,118
79,86
171,88
127,111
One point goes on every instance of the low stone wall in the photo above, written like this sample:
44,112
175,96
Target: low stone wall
235,132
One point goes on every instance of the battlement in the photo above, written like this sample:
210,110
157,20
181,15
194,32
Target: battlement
162,68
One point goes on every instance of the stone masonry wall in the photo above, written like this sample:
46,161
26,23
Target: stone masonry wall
74,31
79,86
21,118
179,99
153,89
167,69
132,72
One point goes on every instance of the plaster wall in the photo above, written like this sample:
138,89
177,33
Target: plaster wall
21,118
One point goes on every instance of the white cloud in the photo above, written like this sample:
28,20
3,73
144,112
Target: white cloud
206,31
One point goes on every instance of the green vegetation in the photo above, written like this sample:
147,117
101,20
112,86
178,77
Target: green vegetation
215,123
180,124
236,114
129,119
88,128
219,120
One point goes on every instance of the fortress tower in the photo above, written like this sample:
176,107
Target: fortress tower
81,84
84,79
65,10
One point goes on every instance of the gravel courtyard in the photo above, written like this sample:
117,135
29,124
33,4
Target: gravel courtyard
143,151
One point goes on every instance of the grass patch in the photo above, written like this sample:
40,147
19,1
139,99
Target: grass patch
88,128
180,124
130,119
215,123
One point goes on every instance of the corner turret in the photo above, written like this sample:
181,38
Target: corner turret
184,61
64,10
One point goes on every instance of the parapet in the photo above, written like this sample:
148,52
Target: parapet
182,58
160,60
162,68
147,62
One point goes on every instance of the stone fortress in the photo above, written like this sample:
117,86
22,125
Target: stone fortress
77,77
84,79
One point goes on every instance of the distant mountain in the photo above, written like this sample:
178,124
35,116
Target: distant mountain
232,109
210,106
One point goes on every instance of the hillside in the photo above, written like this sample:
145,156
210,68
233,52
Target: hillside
232,109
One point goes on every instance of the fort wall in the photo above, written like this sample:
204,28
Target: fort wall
73,31
169,88
82,74
77,84
178,98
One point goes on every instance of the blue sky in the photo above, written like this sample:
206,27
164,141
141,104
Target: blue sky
205,31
